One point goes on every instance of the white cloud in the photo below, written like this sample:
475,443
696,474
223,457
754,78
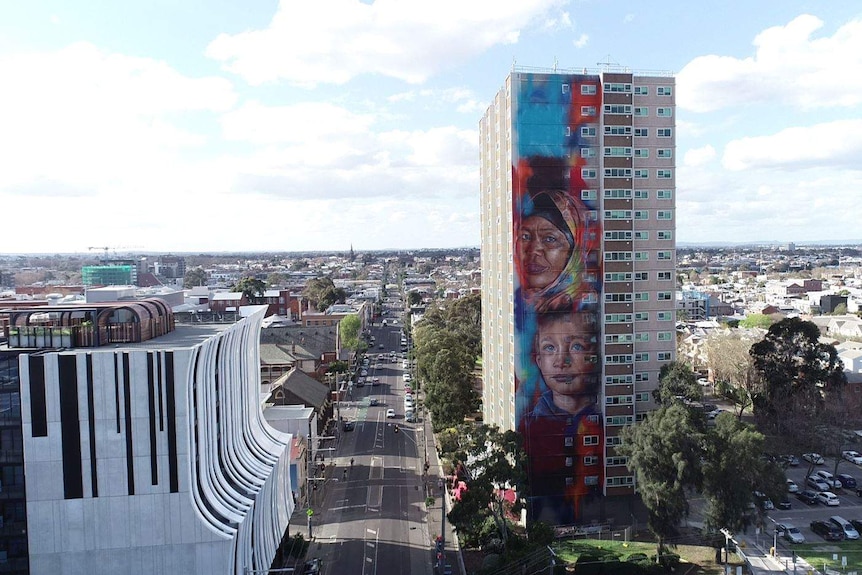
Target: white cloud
628,18
304,123
831,144
581,41
789,67
331,42
699,156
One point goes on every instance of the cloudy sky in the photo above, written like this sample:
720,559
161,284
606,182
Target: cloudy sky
218,125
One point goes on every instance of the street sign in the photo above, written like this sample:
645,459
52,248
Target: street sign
310,512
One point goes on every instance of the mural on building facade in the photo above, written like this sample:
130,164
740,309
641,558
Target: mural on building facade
557,285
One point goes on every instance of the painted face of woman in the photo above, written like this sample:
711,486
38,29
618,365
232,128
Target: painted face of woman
543,250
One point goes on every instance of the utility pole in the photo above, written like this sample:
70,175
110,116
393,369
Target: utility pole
441,555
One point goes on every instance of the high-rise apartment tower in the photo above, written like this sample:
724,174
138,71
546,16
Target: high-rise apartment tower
578,257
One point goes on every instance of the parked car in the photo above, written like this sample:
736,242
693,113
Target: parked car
830,479
845,526
828,498
847,481
817,483
852,456
789,459
784,503
827,530
807,496
814,458
857,524
763,501
312,567
790,532
791,486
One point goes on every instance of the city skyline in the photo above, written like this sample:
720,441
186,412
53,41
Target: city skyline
222,128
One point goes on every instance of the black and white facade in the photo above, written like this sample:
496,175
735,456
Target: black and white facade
153,457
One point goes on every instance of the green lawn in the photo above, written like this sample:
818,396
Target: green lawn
819,553
696,559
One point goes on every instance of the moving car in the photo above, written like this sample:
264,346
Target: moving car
784,503
790,532
828,498
373,401
348,425
827,530
807,496
852,456
312,567
814,458
390,413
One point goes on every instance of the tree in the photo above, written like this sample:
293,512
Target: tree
322,293
349,328
449,394
756,320
414,298
677,382
733,469
195,277
252,288
664,452
798,373
732,365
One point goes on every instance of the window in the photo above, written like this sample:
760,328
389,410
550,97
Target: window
664,316
665,355
643,356
642,337
588,89
618,359
641,152
618,297
618,87
665,235
612,338
618,235
642,111
618,172
641,194
641,90
624,481
618,256
664,215
665,276
588,173
642,296
618,152
641,276
644,396
618,277
664,132
619,399
617,109
642,235
618,379
591,440
642,316
641,173
642,376
664,112
565,88
664,336
588,152
591,460
664,194
618,214
641,214
641,256
664,296
588,110
613,440
618,318
641,132
664,153
588,195
616,461
588,131
664,174
664,91
617,194
620,420
618,130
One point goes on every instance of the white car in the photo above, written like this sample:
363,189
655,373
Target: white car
828,478
814,458
390,413
791,486
828,498
852,456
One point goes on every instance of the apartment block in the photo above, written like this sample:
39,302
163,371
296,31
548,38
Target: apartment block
578,195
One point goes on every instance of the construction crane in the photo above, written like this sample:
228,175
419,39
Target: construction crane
107,248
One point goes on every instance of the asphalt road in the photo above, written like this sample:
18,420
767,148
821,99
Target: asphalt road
375,513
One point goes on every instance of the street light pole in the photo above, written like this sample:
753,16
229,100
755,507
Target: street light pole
442,555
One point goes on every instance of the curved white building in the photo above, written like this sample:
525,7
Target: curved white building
153,457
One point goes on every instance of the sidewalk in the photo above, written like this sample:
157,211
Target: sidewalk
762,563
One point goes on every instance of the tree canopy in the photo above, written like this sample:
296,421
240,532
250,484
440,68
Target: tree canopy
677,382
252,288
322,293
195,277
349,329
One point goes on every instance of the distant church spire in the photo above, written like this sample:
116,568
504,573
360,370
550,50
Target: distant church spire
352,254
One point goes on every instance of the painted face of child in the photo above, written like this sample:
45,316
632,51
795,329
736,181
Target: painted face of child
565,353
